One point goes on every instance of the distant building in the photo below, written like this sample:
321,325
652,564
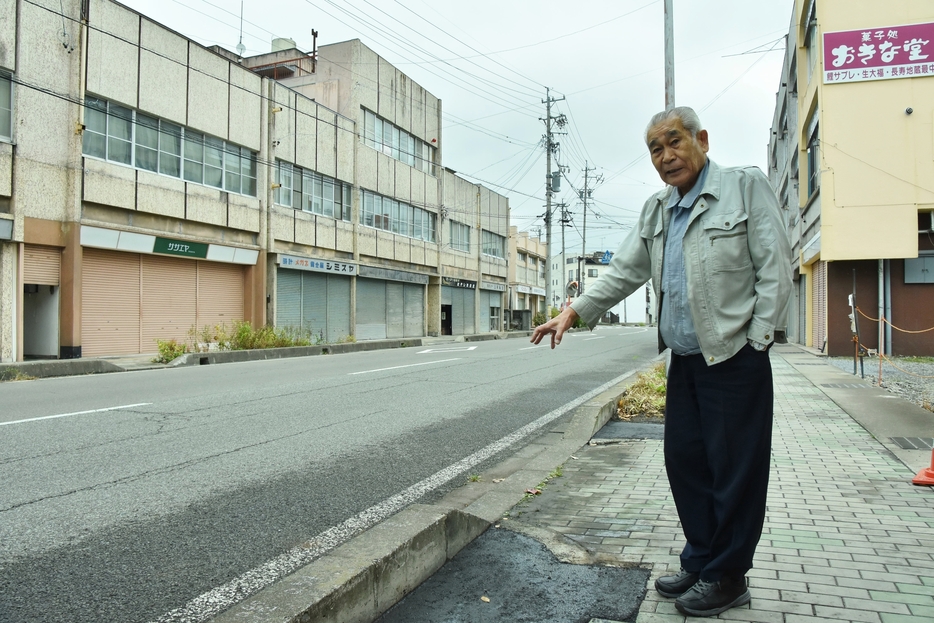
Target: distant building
582,271
526,278
850,157
159,187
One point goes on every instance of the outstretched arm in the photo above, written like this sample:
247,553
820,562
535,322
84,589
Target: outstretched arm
556,327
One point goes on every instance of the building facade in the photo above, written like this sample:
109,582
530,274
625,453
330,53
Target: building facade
580,271
852,159
526,278
150,187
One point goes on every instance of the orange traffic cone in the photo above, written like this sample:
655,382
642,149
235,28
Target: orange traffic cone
926,475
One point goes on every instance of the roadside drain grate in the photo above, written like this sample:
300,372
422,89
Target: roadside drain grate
847,385
913,443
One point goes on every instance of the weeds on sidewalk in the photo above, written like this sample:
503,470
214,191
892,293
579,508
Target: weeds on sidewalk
646,397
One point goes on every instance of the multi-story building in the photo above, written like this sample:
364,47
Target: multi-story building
581,271
150,186
526,278
851,158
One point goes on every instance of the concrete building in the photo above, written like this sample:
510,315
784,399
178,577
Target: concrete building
526,278
852,158
150,186
637,308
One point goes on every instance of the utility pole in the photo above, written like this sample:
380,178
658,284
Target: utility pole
669,57
564,221
550,187
585,196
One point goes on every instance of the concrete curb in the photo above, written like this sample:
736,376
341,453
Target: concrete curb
364,577
233,356
53,368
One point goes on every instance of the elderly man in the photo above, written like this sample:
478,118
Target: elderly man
713,243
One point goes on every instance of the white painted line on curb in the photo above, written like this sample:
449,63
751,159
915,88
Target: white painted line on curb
410,365
221,598
52,417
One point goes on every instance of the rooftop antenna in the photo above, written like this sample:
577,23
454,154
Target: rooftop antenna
241,49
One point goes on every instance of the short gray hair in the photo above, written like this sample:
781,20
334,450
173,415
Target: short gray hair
686,114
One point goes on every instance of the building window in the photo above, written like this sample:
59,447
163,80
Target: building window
591,272
400,218
119,134
308,191
810,39
494,244
6,108
521,257
460,236
397,143
813,161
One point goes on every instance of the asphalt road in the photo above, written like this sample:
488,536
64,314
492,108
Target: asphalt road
164,495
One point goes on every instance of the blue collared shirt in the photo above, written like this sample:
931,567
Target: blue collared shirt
676,324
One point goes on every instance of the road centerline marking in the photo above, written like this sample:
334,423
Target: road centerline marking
61,415
410,365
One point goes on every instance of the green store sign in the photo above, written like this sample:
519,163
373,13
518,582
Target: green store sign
167,246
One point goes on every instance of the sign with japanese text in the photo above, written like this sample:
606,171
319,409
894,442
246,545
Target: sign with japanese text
167,246
489,285
321,266
458,283
879,53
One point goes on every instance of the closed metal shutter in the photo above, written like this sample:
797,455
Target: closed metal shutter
819,309
288,299
315,305
371,309
802,310
110,303
168,289
395,310
338,307
42,265
414,312
457,311
470,312
220,294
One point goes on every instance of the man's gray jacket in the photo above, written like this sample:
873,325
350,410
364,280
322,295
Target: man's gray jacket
736,258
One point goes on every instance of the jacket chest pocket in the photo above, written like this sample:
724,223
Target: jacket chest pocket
726,243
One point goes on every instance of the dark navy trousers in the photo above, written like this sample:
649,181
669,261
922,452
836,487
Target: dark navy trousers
718,435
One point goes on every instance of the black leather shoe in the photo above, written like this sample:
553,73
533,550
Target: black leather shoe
676,585
706,599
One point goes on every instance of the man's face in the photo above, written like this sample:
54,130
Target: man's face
678,157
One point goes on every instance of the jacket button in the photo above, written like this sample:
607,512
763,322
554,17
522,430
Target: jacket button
767,337
727,224
711,358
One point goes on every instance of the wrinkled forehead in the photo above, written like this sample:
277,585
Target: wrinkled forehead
664,132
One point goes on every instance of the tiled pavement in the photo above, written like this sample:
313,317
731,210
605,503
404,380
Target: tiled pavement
847,536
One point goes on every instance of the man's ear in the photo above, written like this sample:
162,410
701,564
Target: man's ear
702,140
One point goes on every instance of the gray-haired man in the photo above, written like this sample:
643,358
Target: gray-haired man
713,243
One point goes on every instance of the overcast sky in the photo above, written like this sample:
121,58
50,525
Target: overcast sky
490,62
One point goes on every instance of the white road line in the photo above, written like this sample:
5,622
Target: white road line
599,337
52,417
445,350
209,604
411,365
533,347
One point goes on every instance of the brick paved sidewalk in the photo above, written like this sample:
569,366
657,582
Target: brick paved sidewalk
847,536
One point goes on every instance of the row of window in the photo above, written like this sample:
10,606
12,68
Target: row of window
6,107
494,244
312,192
119,134
399,218
460,236
397,143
